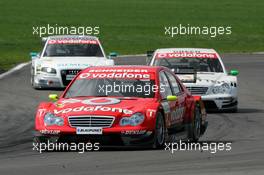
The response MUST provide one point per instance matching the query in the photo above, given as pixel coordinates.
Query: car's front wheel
(32, 79)
(194, 128)
(160, 131)
(233, 110)
(38, 141)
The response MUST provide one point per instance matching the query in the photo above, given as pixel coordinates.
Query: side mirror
(150, 53)
(34, 55)
(53, 97)
(171, 98)
(234, 72)
(149, 56)
(113, 55)
(44, 40)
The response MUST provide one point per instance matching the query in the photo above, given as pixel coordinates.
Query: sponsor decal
(73, 65)
(186, 78)
(116, 75)
(89, 130)
(119, 70)
(93, 101)
(45, 131)
(133, 132)
(92, 109)
(151, 112)
(70, 77)
(72, 41)
(101, 101)
(41, 112)
(186, 55)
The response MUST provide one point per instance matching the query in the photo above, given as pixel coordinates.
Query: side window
(165, 89)
(174, 84)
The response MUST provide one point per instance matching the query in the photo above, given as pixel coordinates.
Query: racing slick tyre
(234, 110)
(38, 140)
(194, 128)
(160, 132)
(44, 143)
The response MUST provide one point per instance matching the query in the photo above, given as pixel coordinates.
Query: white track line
(18, 67)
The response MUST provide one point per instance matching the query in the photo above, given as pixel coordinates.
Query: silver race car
(203, 72)
(63, 57)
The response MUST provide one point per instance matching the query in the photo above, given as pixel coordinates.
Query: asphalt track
(244, 129)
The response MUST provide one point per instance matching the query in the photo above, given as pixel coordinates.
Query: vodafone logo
(186, 55)
(72, 41)
(93, 105)
(92, 109)
(101, 101)
(116, 75)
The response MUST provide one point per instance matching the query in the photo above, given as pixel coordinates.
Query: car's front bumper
(220, 102)
(134, 137)
(46, 81)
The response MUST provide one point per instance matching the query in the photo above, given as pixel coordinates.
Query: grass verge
(131, 26)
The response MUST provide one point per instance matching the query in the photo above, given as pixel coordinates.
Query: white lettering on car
(92, 109)
(115, 75)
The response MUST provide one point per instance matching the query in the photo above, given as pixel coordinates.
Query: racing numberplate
(70, 77)
(89, 130)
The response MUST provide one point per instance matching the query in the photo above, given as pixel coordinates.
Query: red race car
(127, 105)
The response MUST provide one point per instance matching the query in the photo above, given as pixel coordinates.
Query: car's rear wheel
(160, 131)
(194, 128)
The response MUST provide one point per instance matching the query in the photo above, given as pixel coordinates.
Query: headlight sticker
(41, 112)
(151, 112)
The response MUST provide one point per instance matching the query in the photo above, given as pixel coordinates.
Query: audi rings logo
(101, 101)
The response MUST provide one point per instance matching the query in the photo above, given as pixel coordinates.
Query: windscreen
(73, 48)
(111, 87)
(188, 65)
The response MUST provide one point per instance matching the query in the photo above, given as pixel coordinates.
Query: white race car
(203, 73)
(63, 57)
